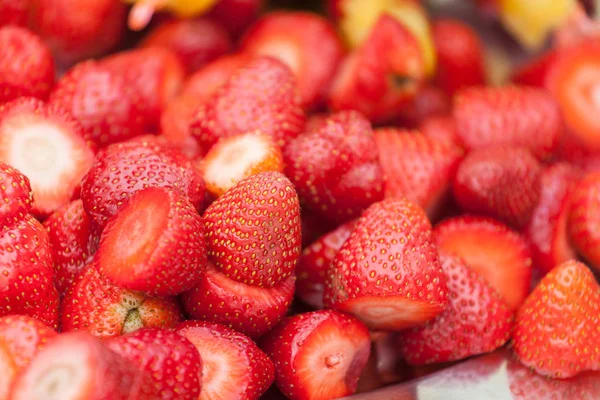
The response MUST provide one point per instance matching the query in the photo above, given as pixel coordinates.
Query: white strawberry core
(390, 312)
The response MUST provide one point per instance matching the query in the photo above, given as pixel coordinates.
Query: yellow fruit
(142, 11)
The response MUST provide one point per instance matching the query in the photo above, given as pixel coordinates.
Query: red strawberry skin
(13, 12)
(26, 65)
(15, 192)
(95, 305)
(336, 167)
(508, 116)
(24, 337)
(122, 169)
(171, 363)
(389, 262)
(501, 182)
(429, 101)
(250, 310)
(236, 15)
(261, 257)
(440, 127)
(477, 320)
(26, 283)
(260, 96)
(557, 327)
(583, 218)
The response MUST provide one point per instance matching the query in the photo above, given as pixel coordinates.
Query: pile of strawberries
(248, 205)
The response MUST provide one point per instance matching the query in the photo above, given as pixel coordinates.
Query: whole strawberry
(335, 168)
(15, 191)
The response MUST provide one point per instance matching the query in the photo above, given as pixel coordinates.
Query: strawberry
(261, 96)
(313, 226)
(94, 29)
(460, 55)
(235, 158)
(583, 218)
(429, 101)
(154, 73)
(253, 230)
(122, 169)
(196, 42)
(44, 143)
(9, 370)
(441, 128)
(15, 192)
(499, 254)
(388, 272)
(318, 355)
(502, 182)
(171, 363)
(155, 244)
(236, 15)
(298, 39)
(547, 230)
(14, 12)
(477, 320)
(512, 116)
(75, 366)
(26, 286)
(416, 167)
(24, 336)
(95, 305)
(314, 264)
(382, 74)
(557, 327)
(74, 240)
(101, 101)
(534, 72)
(26, 65)
(336, 168)
(250, 310)
(233, 367)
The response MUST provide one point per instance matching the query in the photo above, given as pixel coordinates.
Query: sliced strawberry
(74, 240)
(261, 96)
(195, 41)
(493, 250)
(318, 355)
(95, 305)
(233, 367)
(298, 39)
(502, 182)
(26, 65)
(314, 264)
(557, 327)
(583, 218)
(441, 128)
(24, 336)
(236, 15)
(477, 320)
(253, 230)
(14, 12)
(429, 101)
(155, 244)
(46, 145)
(250, 310)
(238, 157)
(388, 272)
(336, 168)
(416, 167)
(512, 116)
(76, 366)
(547, 230)
(171, 363)
(122, 169)
(15, 192)
(535, 72)
(9, 370)
(26, 282)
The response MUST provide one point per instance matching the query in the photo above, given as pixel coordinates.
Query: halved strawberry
(235, 158)
(502, 182)
(122, 169)
(24, 337)
(557, 328)
(95, 305)
(429, 101)
(250, 310)
(26, 65)
(261, 96)
(583, 218)
(416, 167)
(318, 355)
(155, 244)
(9, 370)
(75, 366)
(298, 39)
(46, 145)
(547, 230)
(493, 250)
(253, 230)
(233, 367)
(388, 272)
(477, 320)
(15, 192)
(441, 128)
(512, 116)
(315, 261)
(171, 363)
